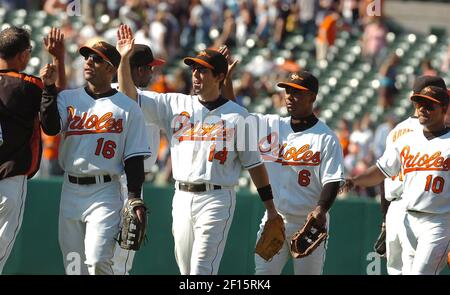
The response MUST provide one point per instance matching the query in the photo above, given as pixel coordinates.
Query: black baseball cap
(432, 93)
(143, 56)
(423, 81)
(210, 59)
(302, 80)
(105, 50)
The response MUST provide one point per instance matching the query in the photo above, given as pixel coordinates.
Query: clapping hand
(48, 74)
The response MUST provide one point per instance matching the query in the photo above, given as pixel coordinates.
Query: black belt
(88, 179)
(414, 211)
(196, 187)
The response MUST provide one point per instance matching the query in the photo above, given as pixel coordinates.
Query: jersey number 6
(304, 177)
(107, 149)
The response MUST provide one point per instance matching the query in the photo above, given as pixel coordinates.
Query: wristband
(265, 193)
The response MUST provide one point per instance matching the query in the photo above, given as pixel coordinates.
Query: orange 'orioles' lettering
(93, 124)
(271, 150)
(424, 162)
(184, 130)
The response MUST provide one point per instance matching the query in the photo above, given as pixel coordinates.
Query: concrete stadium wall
(354, 227)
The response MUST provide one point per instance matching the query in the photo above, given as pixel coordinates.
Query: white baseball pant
(425, 240)
(88, 225)
(309, 265)
(13, 192)
(395, 217)
(201, 222)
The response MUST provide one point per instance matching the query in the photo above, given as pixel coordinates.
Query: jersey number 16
(106, 148)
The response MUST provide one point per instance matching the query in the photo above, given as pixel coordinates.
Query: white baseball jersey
(99, 134)
(393, 187)
(425, 167)
(206, 146)
(299, 163)
(151, 128)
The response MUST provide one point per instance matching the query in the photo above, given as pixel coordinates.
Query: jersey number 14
(221, 156)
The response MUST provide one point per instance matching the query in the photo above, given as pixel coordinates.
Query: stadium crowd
(172, 28)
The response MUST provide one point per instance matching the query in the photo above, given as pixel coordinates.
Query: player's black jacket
(20, 104)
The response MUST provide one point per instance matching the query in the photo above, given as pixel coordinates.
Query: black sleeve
(384, 203)
(31, 103)
(50, 119)
(328, 195)
(134, 170)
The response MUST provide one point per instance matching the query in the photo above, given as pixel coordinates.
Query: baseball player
(142, 63)
(206, 157)
(304, 161)
(396, 210)
(103, 134)
(21, 148)
(394, 207)
(423, 157)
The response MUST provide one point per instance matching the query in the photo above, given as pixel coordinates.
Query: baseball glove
(307, 239)
(380, 243)
(272, 238)
(133, 232)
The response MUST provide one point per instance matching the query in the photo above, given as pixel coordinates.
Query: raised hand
(54, 43)
(231, 63)
(125, 41)
(48, 74)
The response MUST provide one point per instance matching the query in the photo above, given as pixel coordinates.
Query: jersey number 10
(436, 184)
(107, 149)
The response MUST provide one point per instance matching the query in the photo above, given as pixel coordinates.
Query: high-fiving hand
(54, 43)
(125, 41)
(231, 63)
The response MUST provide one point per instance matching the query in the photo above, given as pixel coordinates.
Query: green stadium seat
(349, 85)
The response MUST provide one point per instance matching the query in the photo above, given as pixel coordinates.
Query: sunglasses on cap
(97, 59)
